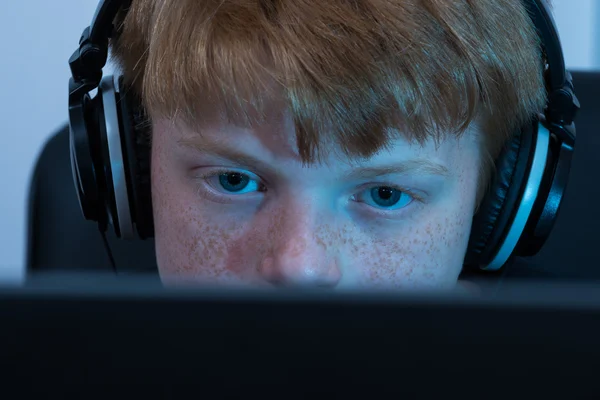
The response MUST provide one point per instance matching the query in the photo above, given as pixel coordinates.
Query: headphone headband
(88, 60)
(546, 27)
(102, 23)
(562, 104)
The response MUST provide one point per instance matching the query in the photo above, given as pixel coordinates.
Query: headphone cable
(108, 252)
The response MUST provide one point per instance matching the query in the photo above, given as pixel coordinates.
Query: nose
(300, 257)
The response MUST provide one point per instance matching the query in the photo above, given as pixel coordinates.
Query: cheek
(185, 238)
(429, 252)
(196, 241)
(181, 237)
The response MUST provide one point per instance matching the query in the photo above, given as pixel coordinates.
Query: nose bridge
(299, 254)
(298, 241)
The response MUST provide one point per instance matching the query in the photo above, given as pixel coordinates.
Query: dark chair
(60, 239)
(570, 252)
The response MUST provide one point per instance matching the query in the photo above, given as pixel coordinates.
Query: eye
(232, 182)
(386, 197)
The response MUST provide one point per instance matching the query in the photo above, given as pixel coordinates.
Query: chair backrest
(60, 239)
(571, 250)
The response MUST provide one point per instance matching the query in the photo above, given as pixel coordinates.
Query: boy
(333, 143)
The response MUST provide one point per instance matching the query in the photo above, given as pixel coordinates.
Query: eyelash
(225, 199)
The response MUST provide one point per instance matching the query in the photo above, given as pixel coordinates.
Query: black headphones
(110, 151)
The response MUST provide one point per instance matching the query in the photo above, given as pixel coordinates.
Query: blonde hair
(349, 70)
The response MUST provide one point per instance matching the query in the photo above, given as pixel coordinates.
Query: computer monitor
(93, 337)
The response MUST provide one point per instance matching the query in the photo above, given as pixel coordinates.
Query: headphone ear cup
(137, 144)
(85, 131)
(498, 208)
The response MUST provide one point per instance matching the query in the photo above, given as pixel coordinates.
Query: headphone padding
(137, 148)
(499, 206)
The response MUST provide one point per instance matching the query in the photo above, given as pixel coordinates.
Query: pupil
(385, 193)
(234, 179)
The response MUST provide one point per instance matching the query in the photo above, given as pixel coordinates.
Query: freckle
(320, 242)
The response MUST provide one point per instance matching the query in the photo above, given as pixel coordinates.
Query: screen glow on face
(234, 205)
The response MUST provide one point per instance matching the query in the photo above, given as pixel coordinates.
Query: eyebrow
(418, 166)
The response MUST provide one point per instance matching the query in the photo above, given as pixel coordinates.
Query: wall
(38, 36)
(577, 22)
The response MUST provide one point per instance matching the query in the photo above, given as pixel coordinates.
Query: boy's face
(235, 206)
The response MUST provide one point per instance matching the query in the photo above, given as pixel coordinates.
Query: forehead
(273, 135)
